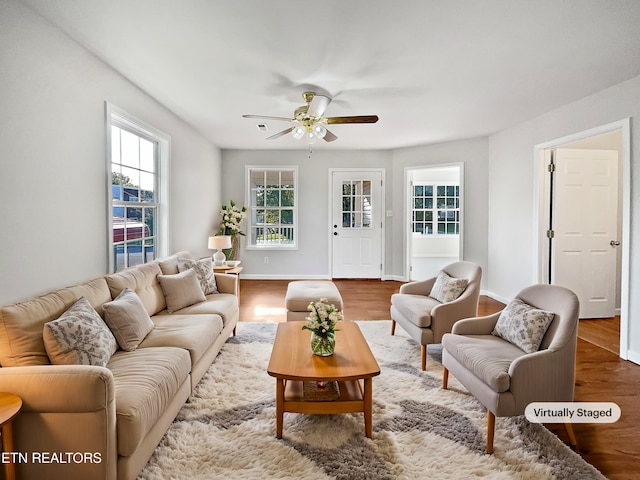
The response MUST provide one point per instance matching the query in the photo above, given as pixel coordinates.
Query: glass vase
(323, 346)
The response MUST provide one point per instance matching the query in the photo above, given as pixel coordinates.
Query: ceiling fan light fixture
(319, 131)
(310, 138)
(298, 132)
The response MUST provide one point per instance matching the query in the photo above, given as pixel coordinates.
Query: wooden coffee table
(352, 365)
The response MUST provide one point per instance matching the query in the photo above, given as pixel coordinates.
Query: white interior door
(356, 227)
(585, 225)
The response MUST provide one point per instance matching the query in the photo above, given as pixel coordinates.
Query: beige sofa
(92, 422)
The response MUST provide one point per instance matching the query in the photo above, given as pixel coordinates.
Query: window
(272, 207)
(436, 209)
(136, 192)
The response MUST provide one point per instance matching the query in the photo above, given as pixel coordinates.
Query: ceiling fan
(309, 120)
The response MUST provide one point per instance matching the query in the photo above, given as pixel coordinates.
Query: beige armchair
(425, 318)
(501, 375)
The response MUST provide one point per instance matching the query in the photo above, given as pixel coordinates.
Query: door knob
(335, 226)
(335, 233)
(614, 243)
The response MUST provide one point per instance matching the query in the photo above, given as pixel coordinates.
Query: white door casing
(356, 223)
(585, 226)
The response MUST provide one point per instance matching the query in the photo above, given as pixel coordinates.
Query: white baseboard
(268, 276)
(633, 357)
(397, 278)
(495, 296)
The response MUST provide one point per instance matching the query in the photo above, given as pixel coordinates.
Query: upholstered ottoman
(300, 293)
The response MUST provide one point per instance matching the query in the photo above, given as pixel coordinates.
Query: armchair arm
(543, 376)
(422, 287)
(476, 325)
(227, 283)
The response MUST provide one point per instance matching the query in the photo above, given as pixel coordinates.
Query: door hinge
(551, 167)
(550, 234)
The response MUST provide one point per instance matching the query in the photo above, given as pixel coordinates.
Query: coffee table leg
(368, 407)
(279, 406)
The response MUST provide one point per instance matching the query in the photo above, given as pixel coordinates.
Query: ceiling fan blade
(330, 137)
(318, 105)
(353, 119)
(264, 117)
(280, 134)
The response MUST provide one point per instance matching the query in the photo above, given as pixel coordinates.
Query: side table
(10, 405)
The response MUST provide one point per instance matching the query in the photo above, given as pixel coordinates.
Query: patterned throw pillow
(446, 288)
(523, 325)
(127, 319)
(204, 272)
(79, 337)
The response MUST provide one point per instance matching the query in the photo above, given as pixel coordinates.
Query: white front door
(585, 225)
(356, 227)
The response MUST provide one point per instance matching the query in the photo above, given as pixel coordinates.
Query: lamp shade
(219, 242)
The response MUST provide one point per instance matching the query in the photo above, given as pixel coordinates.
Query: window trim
(115, 116)
(250, 206)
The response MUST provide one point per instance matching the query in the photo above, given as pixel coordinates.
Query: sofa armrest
(60, 388)
(64, 409)
(227, 283)
(422, 287)
(476, 325)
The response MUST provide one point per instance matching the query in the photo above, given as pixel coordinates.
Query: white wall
(512, 196)
(311, 259)
(473, 154)
(52, 159)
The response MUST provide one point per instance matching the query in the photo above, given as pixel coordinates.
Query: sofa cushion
(415, 308)
(223, 304)
(142, 279)
(181, 290)
(523, 325)
(146, 381)
(127, 319)
(487, 356)
(79, 337)
(169, 265)
(194, 333)
(21, 341)
(446, 288)
(204, 272)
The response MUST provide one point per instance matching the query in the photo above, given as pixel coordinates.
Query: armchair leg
(393, 327)
(491, 427)
(423, 352)
(572, 436)
(445, 377)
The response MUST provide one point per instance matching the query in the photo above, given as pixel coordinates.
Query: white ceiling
(431, 70)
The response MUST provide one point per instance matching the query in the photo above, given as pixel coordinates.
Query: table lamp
(219, 242)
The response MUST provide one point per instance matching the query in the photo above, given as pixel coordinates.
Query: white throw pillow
(204, 272)
(181, 290)
(79, 337)
(446, 288)
(523, 325)
(128, 320)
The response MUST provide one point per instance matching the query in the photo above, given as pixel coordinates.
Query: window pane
(286, 198)
(418, 203)
(418, 190)
(130, 148)
(428, 190)
(147, 155)
(441, 190)
(273, 198)
(287, 217)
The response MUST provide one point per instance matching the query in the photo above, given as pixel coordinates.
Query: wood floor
(601, 376)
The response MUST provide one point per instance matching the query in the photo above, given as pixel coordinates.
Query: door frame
(407, 217)
(382, 172)
(541, 214)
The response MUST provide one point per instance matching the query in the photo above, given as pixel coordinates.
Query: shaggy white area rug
(227, 430)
